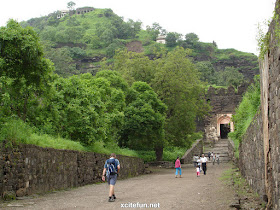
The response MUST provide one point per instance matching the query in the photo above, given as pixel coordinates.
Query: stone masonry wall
(30, 169)
(222, 101)
(251, 156)
(260, 149)
(196, 149)
(273, 166)
(231, 149)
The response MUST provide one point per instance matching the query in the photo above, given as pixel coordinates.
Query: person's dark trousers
(204, 168)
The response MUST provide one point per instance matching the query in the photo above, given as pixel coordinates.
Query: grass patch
(245, 194)
(15, 131)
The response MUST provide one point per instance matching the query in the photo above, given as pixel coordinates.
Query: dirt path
(188, 192)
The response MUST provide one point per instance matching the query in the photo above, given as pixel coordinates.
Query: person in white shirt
(203, 160)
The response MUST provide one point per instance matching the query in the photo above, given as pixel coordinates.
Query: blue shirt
(117, 163)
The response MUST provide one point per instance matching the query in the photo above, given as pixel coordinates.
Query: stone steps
(221, 148)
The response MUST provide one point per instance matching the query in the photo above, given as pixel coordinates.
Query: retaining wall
(260, 148)
(231, 149)
(196, 149)
(29, 169)
(251, 156)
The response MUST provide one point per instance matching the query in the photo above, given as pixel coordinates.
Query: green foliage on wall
(246, 111)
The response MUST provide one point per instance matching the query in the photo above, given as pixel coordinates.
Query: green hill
(77, 43)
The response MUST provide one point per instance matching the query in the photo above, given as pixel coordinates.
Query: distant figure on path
(178, 167)
(212, 155)
(214, 159)
(199, 163)
(203, 160)
(209, 155)
(195, 158)
(218, 159)
(111, 168)
(197, 171)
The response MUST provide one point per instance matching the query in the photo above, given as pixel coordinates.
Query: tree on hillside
(207, 72)
(176, 81)
(144, 120)
(23, 64)
(71, 5)
(80, 110)
(191, 38)
(177, 84)
(171, 39)
(230, 77)
(155, 30)
(133, 66)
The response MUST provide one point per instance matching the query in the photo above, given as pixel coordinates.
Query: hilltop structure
(78, 11)
(161, 39)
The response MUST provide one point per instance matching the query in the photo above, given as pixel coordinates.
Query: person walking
(203, 160)
(111, 169)
(199, 163)
(178, 167)
(214, 159)
(197, 171)
(218, 158)
(209, 155)
(195, 158)
(212, 155)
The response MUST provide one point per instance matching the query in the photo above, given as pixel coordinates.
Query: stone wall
(29, 169)
(223, 102)
(260, 149)
(196, 149)
(271, 69)
(251, 156)
(231, 150)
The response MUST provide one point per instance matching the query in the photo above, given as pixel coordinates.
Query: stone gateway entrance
(225, 129)
(224, 125)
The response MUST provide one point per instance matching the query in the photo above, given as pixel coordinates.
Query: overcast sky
(230, 23)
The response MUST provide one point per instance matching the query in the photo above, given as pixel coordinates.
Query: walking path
(159, 188)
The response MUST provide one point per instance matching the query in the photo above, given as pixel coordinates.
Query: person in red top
(178, 167)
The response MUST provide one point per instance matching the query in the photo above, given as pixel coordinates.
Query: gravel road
(159, 190)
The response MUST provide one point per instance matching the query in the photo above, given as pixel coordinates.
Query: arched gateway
(224, 125)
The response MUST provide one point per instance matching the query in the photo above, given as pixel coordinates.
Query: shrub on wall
(246, 111)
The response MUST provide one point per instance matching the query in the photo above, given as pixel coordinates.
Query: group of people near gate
(200, 162)
(214, 157)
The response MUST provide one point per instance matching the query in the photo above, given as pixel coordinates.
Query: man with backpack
(111, 168)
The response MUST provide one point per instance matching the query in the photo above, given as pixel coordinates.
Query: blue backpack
(111, 167)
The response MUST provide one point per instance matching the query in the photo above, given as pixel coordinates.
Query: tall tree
(177, 83)
(71, 5)
(133, 66)
(22, 61)
(171, 40)
(144, 120)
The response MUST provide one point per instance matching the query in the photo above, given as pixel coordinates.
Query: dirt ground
(160, 189)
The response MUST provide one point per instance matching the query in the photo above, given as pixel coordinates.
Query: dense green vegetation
(98, 34)
(176, 81)
(245, 112)
(91, 113)
(139, 104)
